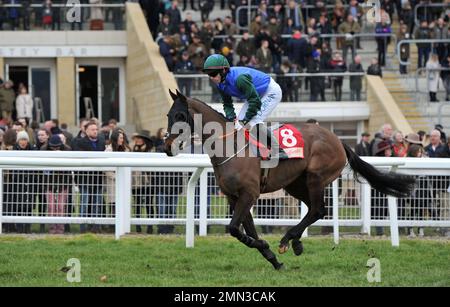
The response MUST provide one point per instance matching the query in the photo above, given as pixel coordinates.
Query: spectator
(91, 182)
(206, 6)
(57, 185)
(296, 48)
(349, 28)
(7, 99)
(185, 67)
(188, 22)
(445, 76)
(423, 32)
(141, 183)
(404, 48)
(421, 196)
(9, 208)
(197, 52)
(56, 15)
(378, 200)
(264, 57)
(166, 27)
(441, 32)
(192, 5)
(246, 46)
(174, 13)
(167, 51)
(256, 25)
(81, 134)
(23, 185)
(433, 73)
(399, 149)
(363, 147)
(229, 26)
(374, 69)
(285, 82)
(337, 65)
(356, 81)
(382, 28)
(24, 122)
(441, 130)
(337, 19)
(385, 135)
(317, 83)
(435, 149)
(13, 14)
(207, 33)
(294, 12)
(278, 12)
(24, 104)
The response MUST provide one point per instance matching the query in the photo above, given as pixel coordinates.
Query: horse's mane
(212, 109)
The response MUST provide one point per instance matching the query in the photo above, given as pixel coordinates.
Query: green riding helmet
(215, 62)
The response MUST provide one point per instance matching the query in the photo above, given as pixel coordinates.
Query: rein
(223, 137)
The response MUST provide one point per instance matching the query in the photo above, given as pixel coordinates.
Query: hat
(365, 133)
(22, 135)
(55, 141)
(382, 146)
(413, 138)
(145, 134)
(438, 127)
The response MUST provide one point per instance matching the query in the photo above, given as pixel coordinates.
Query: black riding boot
(265, 136)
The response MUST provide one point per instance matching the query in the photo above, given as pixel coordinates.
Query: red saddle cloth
(289, 138)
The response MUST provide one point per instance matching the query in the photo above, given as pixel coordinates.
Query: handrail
(322, 74)
(412, 41)
(426, 5)
(70, 5)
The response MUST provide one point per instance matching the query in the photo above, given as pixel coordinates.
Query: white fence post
(303, 212)
(1, 199)
(190, 207)
(365, 207)
(123, 201)
(203, 223)
(336, 211)
(392, 201)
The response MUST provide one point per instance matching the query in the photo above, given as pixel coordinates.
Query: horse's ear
(173, 95)
(181, 96)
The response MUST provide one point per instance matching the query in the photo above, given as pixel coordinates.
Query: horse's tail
(389, 183)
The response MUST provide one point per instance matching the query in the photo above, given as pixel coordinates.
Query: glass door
(109, 93)
(40, 90)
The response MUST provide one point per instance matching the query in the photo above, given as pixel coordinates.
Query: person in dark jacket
(142, 187)
(337, 65)
(296, 49)
(90, 183)
(356, 81)
(375, 69)
(185, 67)
(317, 83)
(363, 147)
(57, 185)
(445, 76)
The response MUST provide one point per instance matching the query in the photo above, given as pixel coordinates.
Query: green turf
(218, 261)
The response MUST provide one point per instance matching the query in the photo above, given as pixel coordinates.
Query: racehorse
(239, 178)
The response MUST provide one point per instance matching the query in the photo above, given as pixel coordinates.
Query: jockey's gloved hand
(239, 124)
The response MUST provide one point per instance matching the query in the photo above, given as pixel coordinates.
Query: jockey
(260, 91)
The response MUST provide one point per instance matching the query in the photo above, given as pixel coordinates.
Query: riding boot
(266, 137)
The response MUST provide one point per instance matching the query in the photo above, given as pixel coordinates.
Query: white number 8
(288, 138)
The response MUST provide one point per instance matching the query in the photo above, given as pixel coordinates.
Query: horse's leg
(312, 193)
(261, 245)
(241, 210)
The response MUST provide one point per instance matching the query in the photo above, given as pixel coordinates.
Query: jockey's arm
(228, 106)
(245, 85)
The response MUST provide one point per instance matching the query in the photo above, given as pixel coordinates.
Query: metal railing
(415, 41)
(151, 189)
(113, 14)
(296, 87)
(426, 6)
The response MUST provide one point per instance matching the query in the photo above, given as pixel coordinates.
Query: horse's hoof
(280, 267)
(297, 247)
(283, 249)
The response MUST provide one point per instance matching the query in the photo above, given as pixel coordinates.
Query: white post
(393, 221)
(203, 204)
(303, 212)
(336, 211)
(123, 201)
(365, 207)
(1, 199)
(190, 207)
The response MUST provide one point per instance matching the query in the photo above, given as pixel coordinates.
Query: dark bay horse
(239, 178)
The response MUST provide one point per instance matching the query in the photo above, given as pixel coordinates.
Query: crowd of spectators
(291, 37)
(430, 196)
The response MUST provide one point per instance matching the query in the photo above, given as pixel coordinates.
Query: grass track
(217, 261)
